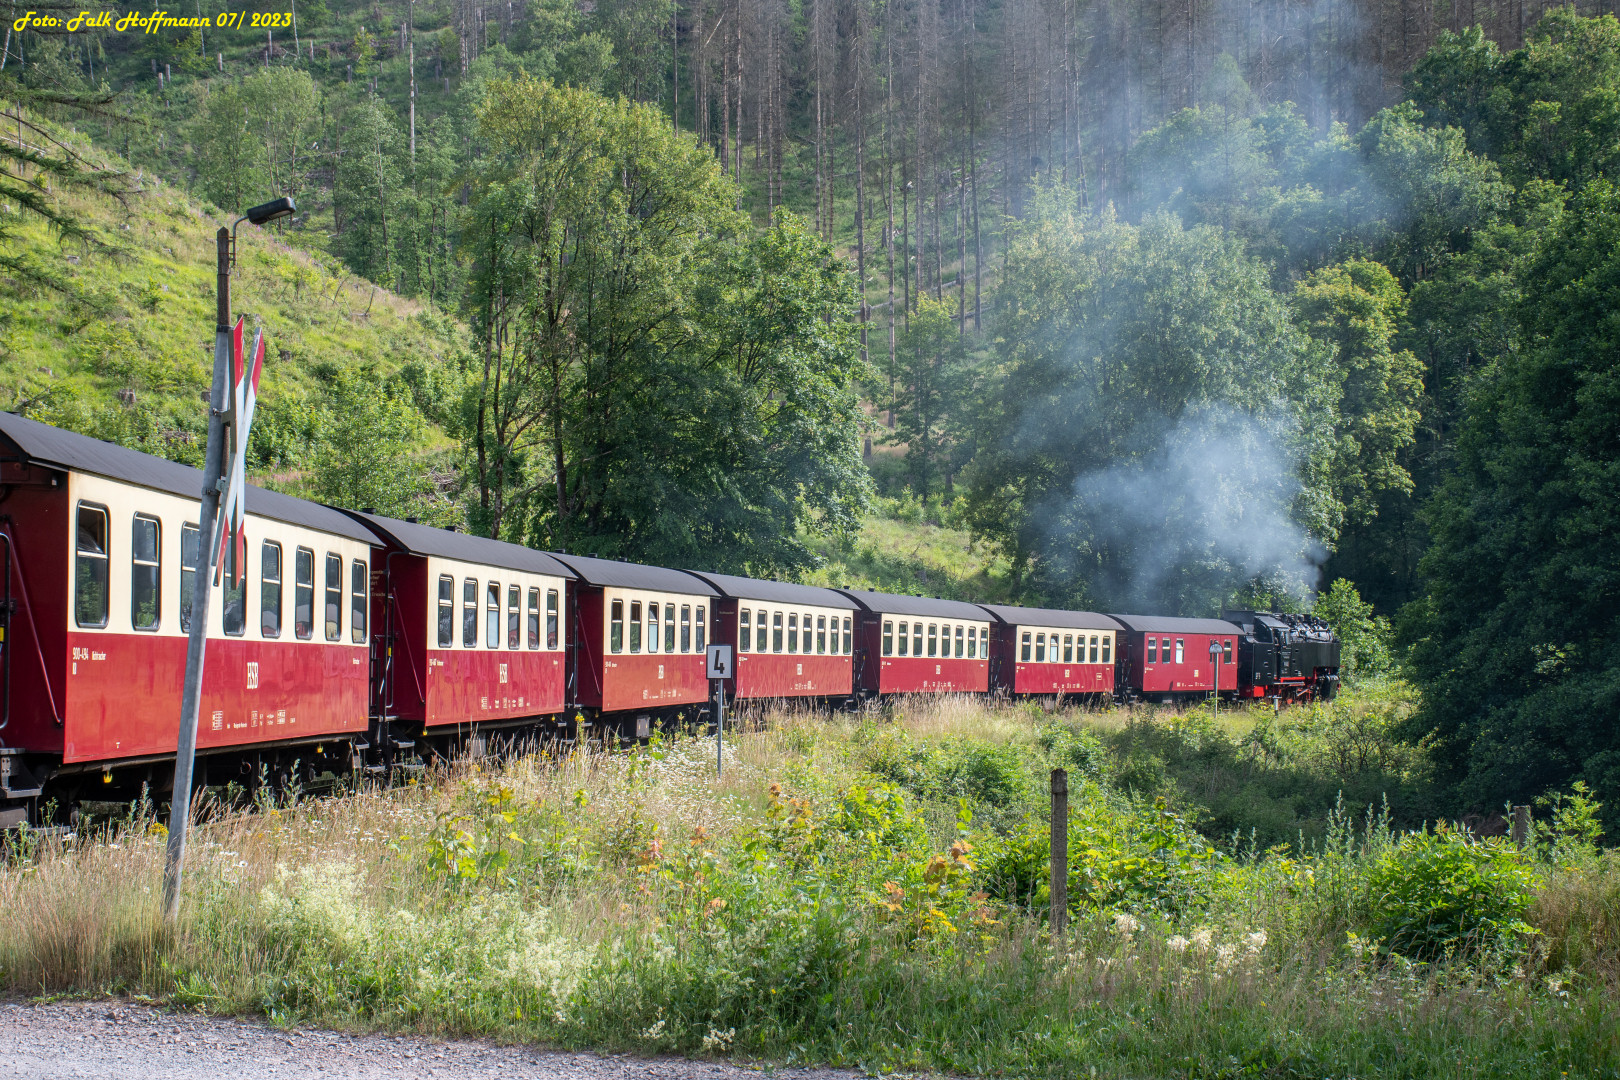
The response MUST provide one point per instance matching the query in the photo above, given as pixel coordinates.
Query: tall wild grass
(868, 891)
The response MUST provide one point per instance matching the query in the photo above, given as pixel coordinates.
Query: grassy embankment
(125, 351)
(869, 891)
(904, 547)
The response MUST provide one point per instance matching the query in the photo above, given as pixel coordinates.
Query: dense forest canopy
(1177, 305)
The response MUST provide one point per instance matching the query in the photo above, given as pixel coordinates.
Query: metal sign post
(228, 401)
(719, 670)
(201, 587)
(1215, 680)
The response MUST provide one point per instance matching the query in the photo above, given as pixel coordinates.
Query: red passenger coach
(1046, 651)
(103, 548)
(920, 645)
(639, 635)
(1162, 658)
(471, 630)
(791, 641)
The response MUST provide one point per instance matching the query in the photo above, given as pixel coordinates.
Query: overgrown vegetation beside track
(871, 891)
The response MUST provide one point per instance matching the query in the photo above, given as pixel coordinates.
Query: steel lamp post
(214, 482)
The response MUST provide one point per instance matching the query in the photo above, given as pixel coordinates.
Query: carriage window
(469, 613)
(960, 633)
(514, 615)
(635, 626)
(746, 638)
(793, 633)
(1180, 650)
(304, 593)
(447, 609)
(702, 628)
(849, 639)
(1108, 648)
(551, 618)
(1153, 650)
(492, 614)
(334, 597)
(905, 639)
(776, 631)
(973, 642)
(1226, 651)
(1040, 648)
(534, 619)
(821, 634)
(933, 638)
(358, 582)
(616, 628)
(234, 615)
(146, 573)
(270, 590)
(190, 552)
(686, 628)
(1093, 651)
(652, 627)
(1024, 647)
(669, 627)
(90, 568)
(916, 639)
(888, 637)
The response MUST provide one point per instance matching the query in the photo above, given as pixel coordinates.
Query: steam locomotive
(356, 644)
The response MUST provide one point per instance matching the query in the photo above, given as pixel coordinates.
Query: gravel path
(113, 1040)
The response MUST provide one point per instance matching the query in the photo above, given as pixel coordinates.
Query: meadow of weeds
(871, 891)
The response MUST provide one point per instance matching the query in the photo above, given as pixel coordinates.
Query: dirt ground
(115, 1040)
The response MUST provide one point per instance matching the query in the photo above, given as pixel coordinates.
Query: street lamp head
(270, 211)
(1214, 648)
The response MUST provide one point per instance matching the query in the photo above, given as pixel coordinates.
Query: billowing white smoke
(1206, 509)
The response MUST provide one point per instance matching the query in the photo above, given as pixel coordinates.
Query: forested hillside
(1171, 306)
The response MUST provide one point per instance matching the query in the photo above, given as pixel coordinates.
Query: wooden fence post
(1521, 826)
(1060, 850)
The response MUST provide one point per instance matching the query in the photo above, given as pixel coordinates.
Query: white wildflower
(718, 1040)
(1177, 944)
(1203, 938)
(654, 1032)
(1256, 941)
(1125, 926)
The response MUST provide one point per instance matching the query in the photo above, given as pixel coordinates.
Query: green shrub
(1443, 893)
(1366, 637)
(987, 773)
(1075, 749)
(1122, 858)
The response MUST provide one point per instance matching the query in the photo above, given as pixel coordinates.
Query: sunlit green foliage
(657, 379)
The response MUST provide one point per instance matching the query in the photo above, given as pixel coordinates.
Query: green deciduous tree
(251, 137)
(1355, 308)
(362, 452)
(368, 190)
(653, 379)
(1516, 639)
(1365, 637)
(1547, 111)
